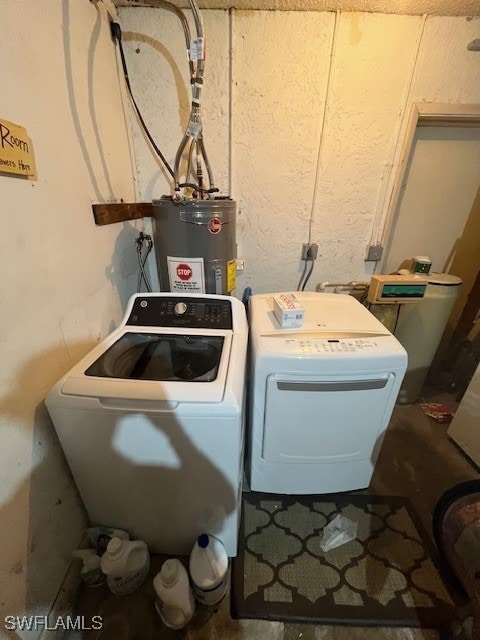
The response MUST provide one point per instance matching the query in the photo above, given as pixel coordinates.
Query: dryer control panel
(334, 345)
(178, 311)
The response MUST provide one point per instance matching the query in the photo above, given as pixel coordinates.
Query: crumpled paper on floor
(439, 412)
(337, 532)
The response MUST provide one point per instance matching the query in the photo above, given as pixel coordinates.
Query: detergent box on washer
(288, 310)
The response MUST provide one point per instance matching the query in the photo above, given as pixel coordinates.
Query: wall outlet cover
(309, 251)
(374, 253)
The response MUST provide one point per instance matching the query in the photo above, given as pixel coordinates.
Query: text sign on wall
(186, 274)
(16, 150)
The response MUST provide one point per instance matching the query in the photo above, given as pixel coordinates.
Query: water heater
(195, 245)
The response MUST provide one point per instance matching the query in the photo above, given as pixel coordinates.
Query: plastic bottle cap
(203, 541)
(169, 572)
(114, 546)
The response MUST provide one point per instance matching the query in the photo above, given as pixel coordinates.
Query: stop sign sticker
(184, 272)
(214, 225)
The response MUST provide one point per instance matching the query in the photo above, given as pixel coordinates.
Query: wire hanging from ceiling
(117, 35)
(191, 159)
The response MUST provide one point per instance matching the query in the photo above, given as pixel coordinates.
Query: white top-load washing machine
(152, 421)
(321, 395)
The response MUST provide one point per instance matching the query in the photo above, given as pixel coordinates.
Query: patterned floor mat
(386, 576)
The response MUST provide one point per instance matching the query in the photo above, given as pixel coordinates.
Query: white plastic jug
(209, 569)
(100, 536)
(91, 573)
(175, 603)
(126, 564)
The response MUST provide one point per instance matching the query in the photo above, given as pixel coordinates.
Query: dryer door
(325, 419)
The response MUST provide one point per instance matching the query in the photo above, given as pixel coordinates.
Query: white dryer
(152, 421)
(321, 395)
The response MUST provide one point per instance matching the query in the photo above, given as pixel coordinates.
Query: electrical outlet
(374, 253)
(309, 251)
(239, 264)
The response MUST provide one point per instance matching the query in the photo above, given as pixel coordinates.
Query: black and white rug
(385, 577)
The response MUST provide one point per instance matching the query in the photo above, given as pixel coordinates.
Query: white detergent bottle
(91, 573)
(126, 564)
(209, 569)
(100, 536)
(174, 602)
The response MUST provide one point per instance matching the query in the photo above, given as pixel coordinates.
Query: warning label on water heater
(186, 275)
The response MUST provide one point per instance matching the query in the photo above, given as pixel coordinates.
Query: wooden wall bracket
(109, 213)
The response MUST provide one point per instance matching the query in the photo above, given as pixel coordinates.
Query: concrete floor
(417, 460)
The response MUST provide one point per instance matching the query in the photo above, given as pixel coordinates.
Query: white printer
(321, 395)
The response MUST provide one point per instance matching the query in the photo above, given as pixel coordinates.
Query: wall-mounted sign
(16, 150)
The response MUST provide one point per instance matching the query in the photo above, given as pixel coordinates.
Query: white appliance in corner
(152, 421)
(465, 426)
(321, 395)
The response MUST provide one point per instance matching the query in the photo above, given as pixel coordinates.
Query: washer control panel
(175, 311)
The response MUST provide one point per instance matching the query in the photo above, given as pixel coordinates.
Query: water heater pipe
(192, 140)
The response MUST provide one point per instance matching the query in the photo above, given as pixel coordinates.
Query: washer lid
(144, 365)
(161, 357)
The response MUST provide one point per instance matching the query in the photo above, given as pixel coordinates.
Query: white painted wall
(318, 108)
(277, 118)
(370, 73)
(64, 281)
